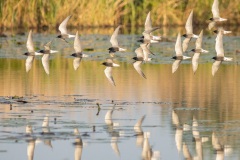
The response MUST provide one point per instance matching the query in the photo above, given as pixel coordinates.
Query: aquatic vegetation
(95, 13)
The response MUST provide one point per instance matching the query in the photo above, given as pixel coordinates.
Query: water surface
(186, 115)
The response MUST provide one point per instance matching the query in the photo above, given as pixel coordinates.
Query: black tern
(138, 61)
(220, 54)
(149, 28)
(197, 51)
(46, 54)
(78, 52)
(63, 29)
(179, 54)
(189, 32)
(220, 29)
(108, 71)
(31, 52)
(146, 51)
(216, 15)
(115, 47)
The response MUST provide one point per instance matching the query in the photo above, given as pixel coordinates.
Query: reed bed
(102, 13)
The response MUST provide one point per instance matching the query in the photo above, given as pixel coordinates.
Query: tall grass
(95, 13)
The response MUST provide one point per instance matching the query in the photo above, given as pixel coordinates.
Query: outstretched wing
(45, 62)
(63, 26)
(199, 40)
(188, 26)
(113, 39)
(215, 9)
(219, 45)
(29, 62)
(76, 63)
(178, 46)
(77, 44)
(108, 73)
(195, 62)
(185, 44)
(175, 65)
(137, 67)
(215, 67)
(30, 46)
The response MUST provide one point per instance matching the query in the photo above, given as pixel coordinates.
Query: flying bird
(216, 15)
(78, 52)
(189, 32)
(220, 54)
(197, 51)
(148, 28)
(115, 46)
(146, 51)
(46, 54)
(63, 29)
(108, 71)
(220, 29)
(31, 52)
(179, 54)
(138, 61)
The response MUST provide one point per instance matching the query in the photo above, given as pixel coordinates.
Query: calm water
(186, 115)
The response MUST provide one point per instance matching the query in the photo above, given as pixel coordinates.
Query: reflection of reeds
(37, 13)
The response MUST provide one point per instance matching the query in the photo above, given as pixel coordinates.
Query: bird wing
(195, 62)
(146, 51)
(45, 62)
(47, 45)
(215, 67)
(148, 22)
(199, 40)
(77, 44)
(63, 26)
(29, 62)
(113, 39)
(30, 46)
(188, 26)
(109, 60)
(139, 52)
(215, 9)
(178, 46)
(175, 65)
(185, 44)
(219, 45)
(211, 25)
(76, 62)
(108, 73)
(151, 30)
(146, 36)
(137, 67)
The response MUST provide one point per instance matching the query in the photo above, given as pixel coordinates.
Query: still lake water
(186, 116)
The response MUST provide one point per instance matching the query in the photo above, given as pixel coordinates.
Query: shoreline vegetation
(107, 13)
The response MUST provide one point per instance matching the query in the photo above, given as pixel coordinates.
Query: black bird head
(41, 51)
(59, 36)
(214, 58)
(211, 19)
(135, 58)
(104, 63)
(215, 31)
(175, 57)
(26, 54)
(193, 50)
(74, 54)
(184, 35)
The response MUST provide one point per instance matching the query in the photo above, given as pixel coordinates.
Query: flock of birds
(143, 51)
